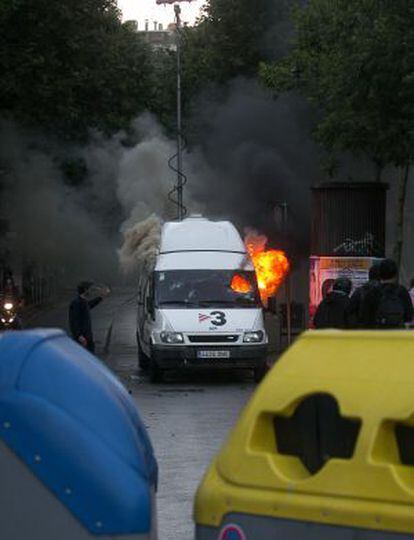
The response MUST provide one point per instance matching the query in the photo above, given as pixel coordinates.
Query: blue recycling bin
(75, 458)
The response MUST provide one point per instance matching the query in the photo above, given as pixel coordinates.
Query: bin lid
(73, 424)
(328, 437)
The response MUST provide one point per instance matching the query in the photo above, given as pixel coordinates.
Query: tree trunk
(402, 195)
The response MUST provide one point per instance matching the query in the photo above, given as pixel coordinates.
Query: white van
(189, 311)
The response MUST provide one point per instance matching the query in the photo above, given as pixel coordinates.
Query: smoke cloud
(49, 222)
(144, 179)
(249, 154)
(144, 185)
(141, 245)
(259, 155)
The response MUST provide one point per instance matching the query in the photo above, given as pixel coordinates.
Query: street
(187, 417)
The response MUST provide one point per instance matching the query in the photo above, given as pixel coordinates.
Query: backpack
(367, 294)
(390, 308)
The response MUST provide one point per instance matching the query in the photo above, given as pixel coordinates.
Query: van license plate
(213, 354)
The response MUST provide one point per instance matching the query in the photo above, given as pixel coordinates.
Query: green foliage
(230, 40)
(231, 35)
(163, 101)
(71, 65)
(354, 59)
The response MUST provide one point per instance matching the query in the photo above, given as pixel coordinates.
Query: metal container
(348, 219)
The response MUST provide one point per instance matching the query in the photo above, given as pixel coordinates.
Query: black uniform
(333, 311)
(80, 320)
(360, 309)
(388, 300)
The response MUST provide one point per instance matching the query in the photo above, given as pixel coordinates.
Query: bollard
(75, 459)
(325, 448)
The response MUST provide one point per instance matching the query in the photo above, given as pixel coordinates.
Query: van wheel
(143, 360)
(260, 371)
(156, 374)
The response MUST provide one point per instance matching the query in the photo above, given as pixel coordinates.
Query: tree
(234, 36)
(230, 40)
(354, 60)
(231, 33)
(71, 65)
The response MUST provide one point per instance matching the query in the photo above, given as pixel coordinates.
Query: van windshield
(202, 288)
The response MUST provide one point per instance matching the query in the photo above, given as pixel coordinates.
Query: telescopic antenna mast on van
(176, 195)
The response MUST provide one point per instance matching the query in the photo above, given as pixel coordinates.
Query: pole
(288, 290)
(180, 216)
(289, 309)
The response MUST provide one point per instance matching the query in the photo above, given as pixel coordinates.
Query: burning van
(201, 306)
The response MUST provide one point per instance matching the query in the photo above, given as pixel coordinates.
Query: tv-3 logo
(217, 318)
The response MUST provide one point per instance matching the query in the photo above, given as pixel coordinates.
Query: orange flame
(271, 265)
(240, 284)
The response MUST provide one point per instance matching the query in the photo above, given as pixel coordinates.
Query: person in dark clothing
(359, 316)
(388, 305)
(333, 311)
(79, 315)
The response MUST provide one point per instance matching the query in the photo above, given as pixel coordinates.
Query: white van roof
(196, 233)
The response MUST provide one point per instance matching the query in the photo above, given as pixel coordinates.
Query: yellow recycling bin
(325, 448)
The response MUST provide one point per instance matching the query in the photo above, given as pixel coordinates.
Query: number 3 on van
(218, 318)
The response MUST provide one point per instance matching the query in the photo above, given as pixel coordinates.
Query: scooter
(9, 317)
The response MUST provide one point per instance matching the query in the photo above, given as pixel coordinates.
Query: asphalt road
(188, 416)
